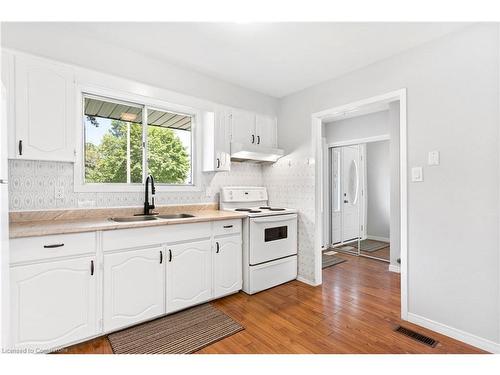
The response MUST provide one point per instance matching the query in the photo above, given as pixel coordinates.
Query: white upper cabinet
(217, 141)
(266, 130)
(254, 129)
(189, 274)
(53, 303)
(243, 127)
(134, 287)
(227, 265)
(44, 110)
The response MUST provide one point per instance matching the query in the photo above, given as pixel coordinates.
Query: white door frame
(317, 119)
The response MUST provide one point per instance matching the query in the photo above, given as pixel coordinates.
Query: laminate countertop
(30, 228)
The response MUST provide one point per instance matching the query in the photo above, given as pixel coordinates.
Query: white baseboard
(306, 281)
(377, 238)
(457, 334)
(394, 268)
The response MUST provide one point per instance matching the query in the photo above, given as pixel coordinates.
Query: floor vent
(417, 336)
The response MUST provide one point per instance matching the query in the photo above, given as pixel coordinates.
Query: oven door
(272, 237)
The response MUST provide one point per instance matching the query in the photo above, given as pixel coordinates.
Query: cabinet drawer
(142, 237)
(227, 227)
(46, 247)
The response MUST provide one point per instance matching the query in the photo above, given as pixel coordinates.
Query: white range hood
(255, 153)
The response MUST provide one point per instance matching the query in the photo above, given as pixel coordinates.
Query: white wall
(378, 188)
(358, 127)
(42, 39)
(32, 181)
(453, 106)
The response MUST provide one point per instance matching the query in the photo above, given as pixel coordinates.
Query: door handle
(217, 246)
(169, 255)
(161, 257)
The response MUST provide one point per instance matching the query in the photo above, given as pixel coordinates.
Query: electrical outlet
(58, 192)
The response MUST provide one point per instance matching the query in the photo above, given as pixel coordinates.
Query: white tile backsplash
(32, 187)
(290, 183)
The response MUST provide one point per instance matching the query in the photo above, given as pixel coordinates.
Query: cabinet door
(223, 140)
(134, 287)
(243, 127)
(266, 131)
(189, 274)
(53, 303)
(44, 101)
(227, 265)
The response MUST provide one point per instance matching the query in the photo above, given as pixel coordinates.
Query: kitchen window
(124, 141)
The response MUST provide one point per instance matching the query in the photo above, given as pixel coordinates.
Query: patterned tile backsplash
(32, 186)
(290, 183)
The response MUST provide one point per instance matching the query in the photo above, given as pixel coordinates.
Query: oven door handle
(274, 219)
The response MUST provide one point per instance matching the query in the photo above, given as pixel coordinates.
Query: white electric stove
(269, 238)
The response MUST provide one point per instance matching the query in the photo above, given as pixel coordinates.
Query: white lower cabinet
(227, 265)
(53, 303)
(134, 287)
(61, 295)
(189, 274)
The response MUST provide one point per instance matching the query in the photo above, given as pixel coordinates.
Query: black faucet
(148, 207)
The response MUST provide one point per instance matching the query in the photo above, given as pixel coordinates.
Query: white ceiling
(276, 59)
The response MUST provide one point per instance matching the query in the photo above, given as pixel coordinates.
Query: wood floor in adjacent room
(354, 311)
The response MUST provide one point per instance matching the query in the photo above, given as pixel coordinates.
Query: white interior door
(350, 181)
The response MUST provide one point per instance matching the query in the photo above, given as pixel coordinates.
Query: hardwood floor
(384, 253)
(354, 311)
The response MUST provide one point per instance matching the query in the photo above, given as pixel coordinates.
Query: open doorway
(360, 151)
(358, 192)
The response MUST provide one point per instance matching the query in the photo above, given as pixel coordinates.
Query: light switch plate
(433, 158)
(417, 174)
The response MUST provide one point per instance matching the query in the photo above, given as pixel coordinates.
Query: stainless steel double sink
(129, 219)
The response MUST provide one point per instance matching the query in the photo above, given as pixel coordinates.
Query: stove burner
(271, 208)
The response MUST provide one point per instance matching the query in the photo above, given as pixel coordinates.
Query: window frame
(147, 103)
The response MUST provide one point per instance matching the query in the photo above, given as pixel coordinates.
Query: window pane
(113, 142)
(169, 147)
